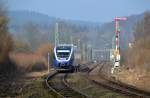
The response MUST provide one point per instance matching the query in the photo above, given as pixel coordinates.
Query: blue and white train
(64, 57)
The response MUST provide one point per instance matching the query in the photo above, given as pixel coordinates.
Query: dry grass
(28, 62)
(44, 49)
(32, 61)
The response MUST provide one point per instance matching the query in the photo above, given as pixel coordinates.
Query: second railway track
(119, 87)
(57, 84)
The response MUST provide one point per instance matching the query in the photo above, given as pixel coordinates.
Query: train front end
(64, 58)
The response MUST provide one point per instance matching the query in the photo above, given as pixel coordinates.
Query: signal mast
(116, 53)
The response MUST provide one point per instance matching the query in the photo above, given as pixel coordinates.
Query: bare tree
(142, 29)
(32, 33)
(5, 39)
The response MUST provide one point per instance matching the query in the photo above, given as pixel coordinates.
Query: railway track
(57, 83)
(119, 87)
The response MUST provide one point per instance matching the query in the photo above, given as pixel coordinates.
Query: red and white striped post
(117, 31)
(117, 50)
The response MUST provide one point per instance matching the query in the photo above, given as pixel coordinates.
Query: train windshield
(63, 51)
(63, 54)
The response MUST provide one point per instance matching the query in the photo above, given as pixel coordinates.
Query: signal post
(116, 54)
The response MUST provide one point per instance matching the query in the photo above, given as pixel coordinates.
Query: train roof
(65, 44)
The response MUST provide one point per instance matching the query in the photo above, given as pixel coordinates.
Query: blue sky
(87, 10)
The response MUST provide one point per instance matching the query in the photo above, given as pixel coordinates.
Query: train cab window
(63, 54)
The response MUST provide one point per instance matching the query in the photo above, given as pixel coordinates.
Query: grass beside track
(26, 88)
(79, 81)
(35, 88)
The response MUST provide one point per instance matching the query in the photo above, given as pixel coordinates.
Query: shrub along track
(116, 86)
(57, 83)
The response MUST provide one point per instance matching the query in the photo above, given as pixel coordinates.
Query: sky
(86, 10)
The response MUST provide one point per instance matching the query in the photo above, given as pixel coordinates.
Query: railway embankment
(129, 79)
(134, 78)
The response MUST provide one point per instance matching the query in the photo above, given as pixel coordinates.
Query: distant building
(130, 45)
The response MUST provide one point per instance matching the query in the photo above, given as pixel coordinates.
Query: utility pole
(48, 61)
(117, 47)
(56, 35)
(71, 39)
(89, 52)
(83, 52)
(79, 45)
